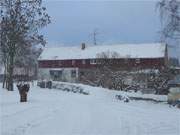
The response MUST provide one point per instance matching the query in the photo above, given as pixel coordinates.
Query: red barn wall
(144, 63)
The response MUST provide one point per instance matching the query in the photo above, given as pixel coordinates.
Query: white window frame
(73, 62)
(83, 62)
(60, 63)
(93, 61)
(138, 60)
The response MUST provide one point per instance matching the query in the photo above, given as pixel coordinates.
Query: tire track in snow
(21, 128)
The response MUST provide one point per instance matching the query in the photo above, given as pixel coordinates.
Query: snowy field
(55, 112)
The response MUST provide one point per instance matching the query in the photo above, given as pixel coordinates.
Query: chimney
(83, 46)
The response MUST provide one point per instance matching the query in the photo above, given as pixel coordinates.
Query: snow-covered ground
(55, 112)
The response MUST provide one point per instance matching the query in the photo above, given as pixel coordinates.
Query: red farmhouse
(65, 63)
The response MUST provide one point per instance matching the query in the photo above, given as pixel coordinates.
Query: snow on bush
(139, 96)
(69, 88)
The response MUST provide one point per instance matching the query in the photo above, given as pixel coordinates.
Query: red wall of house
(144, 63)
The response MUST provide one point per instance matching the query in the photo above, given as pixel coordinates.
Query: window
(73, 73)
(138, 60)
(83, 62)
(82, 73)
(126, 60)
(73, 62)
(59, 63)
(93, 61)
(56, 74)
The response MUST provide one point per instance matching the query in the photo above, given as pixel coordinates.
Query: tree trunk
(4, 78)
(10, 80)
(10, 73)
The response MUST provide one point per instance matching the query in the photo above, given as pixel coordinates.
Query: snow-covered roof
(153, 50)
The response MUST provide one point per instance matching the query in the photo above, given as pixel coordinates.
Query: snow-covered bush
(62, 86)
(147, 81)
(69, 88)
(123, 98)
(110, 74)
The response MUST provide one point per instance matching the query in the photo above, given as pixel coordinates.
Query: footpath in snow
(57, 112)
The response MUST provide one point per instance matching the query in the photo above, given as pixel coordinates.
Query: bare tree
(114, 72)
(20, 21)
(170, 21)
(170, 18)
(108, 73)
(27, 60)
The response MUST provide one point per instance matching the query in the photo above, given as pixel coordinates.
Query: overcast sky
(117, 21)
(73, 22)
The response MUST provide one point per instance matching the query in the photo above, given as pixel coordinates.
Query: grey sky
(117, 21)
